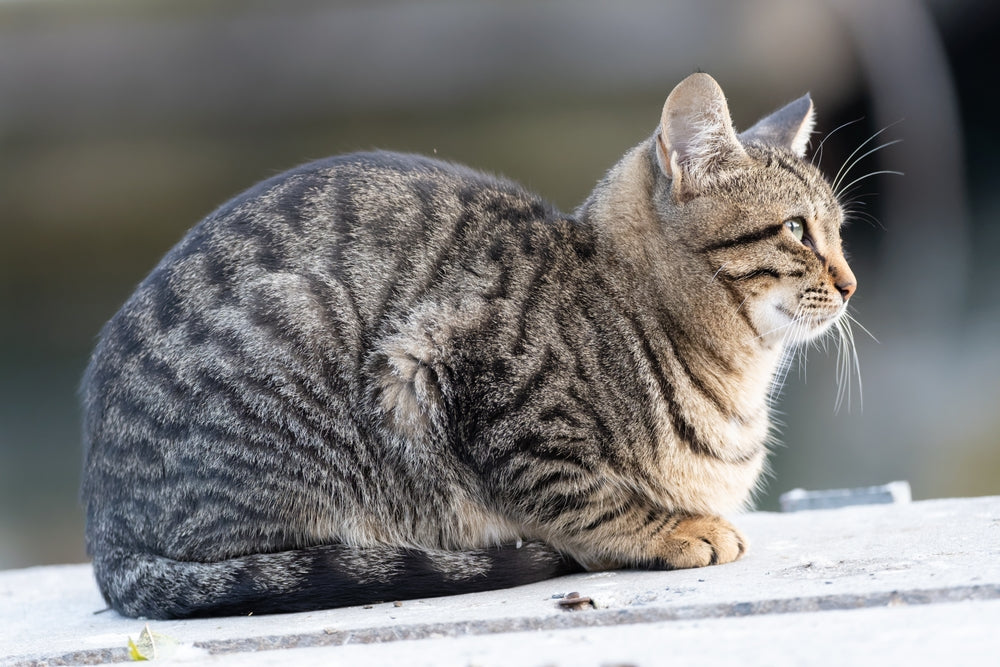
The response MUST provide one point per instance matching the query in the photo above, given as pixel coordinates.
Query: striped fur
(381, 376)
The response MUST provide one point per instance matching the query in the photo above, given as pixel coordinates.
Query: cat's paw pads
(702, 540)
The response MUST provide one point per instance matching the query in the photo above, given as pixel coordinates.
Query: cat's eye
(796, 227)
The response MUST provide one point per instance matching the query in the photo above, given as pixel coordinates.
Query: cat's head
(765, 222)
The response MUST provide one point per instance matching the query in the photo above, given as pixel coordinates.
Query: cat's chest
(710, 453)
(705, 483)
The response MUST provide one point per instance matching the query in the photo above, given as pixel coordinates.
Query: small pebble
(575, 602)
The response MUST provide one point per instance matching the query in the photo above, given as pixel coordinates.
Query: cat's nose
(843, 278)
(846, 289)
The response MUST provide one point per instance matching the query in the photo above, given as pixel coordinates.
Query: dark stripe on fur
(793, 169)
(739, 303)
(682, 343)
(745, 239)
(685, 430)
(662, 523)
(755, 273)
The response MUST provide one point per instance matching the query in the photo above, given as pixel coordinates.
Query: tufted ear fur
(696, 138)
(788, 127)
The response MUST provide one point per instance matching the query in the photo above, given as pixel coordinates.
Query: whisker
(857, 365)
(869, 175)
(862, 157)
(844, 169)
(842, 364)
(848, 360)
(716, 274)
(802, 360)
(789, 353)
(840, 172)
(818, 153)
(736, 313)
(855, 200)
(855, 322)
(852, 214)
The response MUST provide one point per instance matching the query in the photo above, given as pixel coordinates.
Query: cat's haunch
(382, 376)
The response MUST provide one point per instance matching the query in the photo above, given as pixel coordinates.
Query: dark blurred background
(123, 122)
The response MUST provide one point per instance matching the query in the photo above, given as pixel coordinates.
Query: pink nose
(846, 289)
(843, 278)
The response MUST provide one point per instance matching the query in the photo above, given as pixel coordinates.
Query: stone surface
(917, 582)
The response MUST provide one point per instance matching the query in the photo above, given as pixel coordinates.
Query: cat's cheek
(774, 318)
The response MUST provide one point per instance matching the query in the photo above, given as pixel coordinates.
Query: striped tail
(320, 577)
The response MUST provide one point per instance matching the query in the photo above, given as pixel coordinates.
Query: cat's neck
(620, 207)
(675, 294)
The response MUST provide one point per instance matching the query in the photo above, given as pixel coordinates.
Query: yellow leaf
(133, 651)
(151, 645)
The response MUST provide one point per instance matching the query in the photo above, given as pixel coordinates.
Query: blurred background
(123, 122)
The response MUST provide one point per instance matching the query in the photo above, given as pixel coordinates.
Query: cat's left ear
(788, 127)
(696, 140)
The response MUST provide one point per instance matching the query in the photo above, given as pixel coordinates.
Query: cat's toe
(700, 541)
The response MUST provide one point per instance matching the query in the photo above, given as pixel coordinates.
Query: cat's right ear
(788, 127)
(696, 138)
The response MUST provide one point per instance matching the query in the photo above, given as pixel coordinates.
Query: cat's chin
(786, 327)
(814, 328)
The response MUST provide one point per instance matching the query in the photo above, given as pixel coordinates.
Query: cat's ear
(788, 127)
(696, 138)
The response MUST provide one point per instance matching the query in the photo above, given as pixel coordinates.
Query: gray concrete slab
(940, 634)
(818, 587)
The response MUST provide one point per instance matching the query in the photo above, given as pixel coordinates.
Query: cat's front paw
(698, 541)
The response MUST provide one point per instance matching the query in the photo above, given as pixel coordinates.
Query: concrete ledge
(865, 584)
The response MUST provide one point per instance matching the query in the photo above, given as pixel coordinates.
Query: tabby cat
(381, 376)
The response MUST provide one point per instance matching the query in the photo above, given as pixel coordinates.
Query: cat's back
(380, 203)
(384, 226)
(350, 237)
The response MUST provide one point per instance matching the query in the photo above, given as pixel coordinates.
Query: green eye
(796, 227)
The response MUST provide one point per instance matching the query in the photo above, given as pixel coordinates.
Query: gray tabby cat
(381, 376)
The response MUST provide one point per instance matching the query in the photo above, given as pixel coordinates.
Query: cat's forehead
(780, 176)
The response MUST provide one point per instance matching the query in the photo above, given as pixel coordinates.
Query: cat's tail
(337, 575)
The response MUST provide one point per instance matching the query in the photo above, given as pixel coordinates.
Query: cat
(381, 376)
